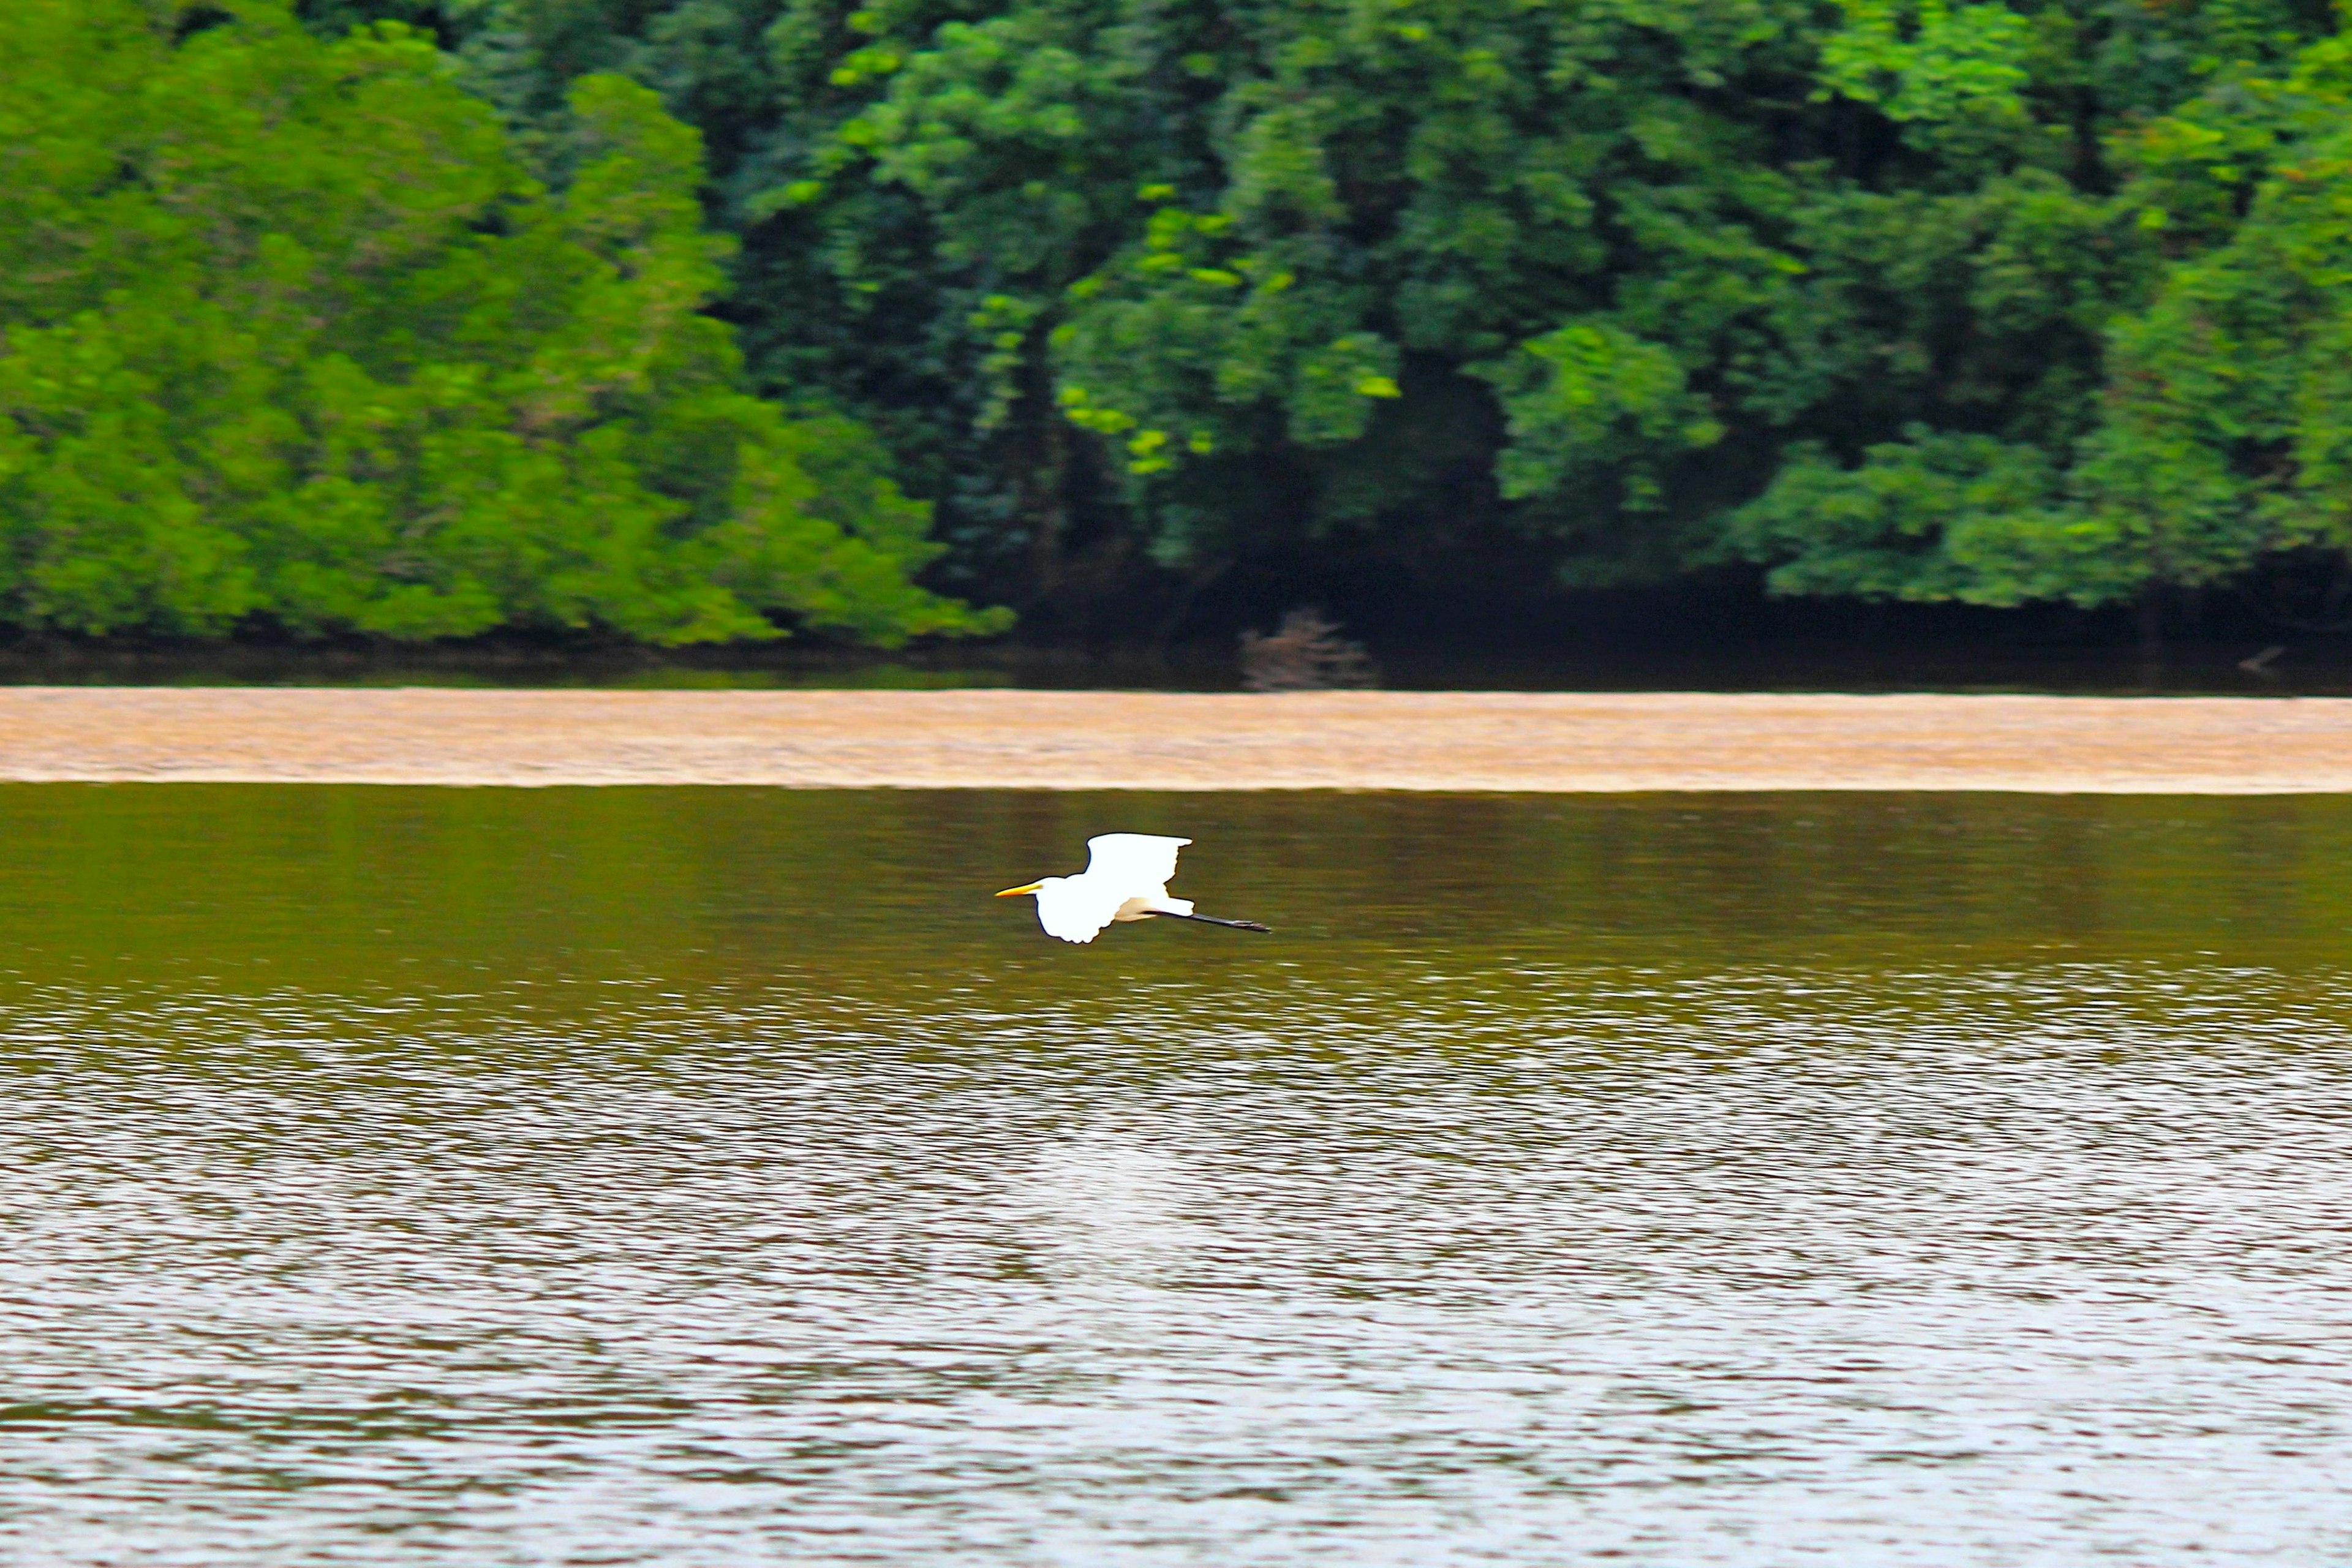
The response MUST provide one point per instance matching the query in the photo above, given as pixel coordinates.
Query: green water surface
(716, 1176)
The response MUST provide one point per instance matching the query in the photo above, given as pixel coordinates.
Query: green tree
(1895, 298)
(290, 336)
(2198, 447)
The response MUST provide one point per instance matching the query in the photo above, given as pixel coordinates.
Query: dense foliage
(288, 335)
(1912, 299)
(1985, 300)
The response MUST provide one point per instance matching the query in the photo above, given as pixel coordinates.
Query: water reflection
(683, 1177)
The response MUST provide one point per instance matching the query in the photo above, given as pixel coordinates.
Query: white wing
(1073, 911)
(1132, 860)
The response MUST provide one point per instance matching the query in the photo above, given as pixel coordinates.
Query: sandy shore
(1103, 740)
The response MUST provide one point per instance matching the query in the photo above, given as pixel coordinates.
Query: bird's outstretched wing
(1075, 911)
(1134, 859)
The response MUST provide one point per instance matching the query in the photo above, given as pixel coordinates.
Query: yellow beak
(1017, 892)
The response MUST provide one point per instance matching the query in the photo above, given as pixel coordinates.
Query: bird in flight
(1126, 879)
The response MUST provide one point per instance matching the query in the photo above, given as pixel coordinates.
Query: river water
(719, 1178)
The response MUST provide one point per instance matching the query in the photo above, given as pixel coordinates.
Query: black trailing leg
(1213, 921)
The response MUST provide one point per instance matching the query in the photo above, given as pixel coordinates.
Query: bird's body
(1126, 879)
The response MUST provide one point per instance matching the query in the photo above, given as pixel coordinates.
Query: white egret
(1126, 879)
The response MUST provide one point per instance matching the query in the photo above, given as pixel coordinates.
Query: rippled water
(720, 1177)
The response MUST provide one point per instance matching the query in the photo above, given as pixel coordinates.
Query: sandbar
(1463, 740)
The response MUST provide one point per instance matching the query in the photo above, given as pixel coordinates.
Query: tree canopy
(289, 334)
(1981, 300)
(1905, 298)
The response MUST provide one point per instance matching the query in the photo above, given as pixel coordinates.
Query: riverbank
(1109, 740)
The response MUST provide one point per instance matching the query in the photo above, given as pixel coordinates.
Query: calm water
(719, 1178)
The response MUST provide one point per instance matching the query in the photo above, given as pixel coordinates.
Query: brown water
(720, 1177)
